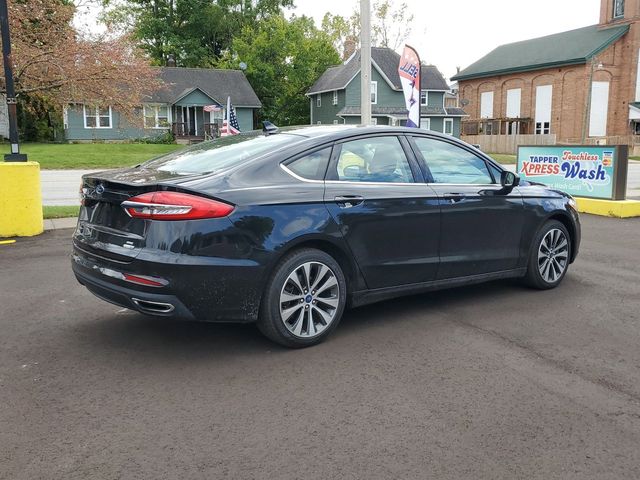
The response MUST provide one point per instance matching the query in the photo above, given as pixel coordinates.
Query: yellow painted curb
(20, 199)
(609, 208)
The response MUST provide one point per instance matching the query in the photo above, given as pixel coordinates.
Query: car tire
(549, 257)
(304, 299)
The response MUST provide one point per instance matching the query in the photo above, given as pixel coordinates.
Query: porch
(192, 124)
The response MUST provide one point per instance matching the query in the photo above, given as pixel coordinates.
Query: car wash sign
(582, 171)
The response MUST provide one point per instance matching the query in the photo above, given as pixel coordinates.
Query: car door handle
(455, 197)
(348, 201)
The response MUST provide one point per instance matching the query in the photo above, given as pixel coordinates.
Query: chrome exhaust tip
(153, 307)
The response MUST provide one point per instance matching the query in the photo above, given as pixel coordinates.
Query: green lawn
(59, 211)
(503, 158)
(91, 155)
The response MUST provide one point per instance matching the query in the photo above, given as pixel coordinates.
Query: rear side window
(376, 159)
(312, 166)
(221, 153)
(449, 163)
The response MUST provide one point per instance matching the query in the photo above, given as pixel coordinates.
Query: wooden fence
(507, 143)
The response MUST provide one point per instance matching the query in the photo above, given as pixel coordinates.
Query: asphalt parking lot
(493, 381)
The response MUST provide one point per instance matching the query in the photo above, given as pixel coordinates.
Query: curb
(609, 208)
(60, 223)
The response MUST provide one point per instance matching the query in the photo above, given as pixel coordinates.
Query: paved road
(60, 187)
(488, 382)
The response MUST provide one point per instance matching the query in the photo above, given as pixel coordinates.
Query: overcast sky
(459, 32)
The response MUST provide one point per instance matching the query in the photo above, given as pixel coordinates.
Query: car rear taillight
(175, 206)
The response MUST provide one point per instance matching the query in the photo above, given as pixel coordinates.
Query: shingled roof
(386, 61)
(216, 84)
(567, 48)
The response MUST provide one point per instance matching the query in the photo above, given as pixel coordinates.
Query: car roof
(335, 132)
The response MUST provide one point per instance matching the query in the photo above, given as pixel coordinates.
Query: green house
(335, 97)
(177, 107)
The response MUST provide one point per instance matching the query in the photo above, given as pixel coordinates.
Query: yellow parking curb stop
(609, 208)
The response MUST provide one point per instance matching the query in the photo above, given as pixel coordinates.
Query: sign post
(15, 155)
(598, 172)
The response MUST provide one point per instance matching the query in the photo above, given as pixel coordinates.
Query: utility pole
(365, 62)
(15, 155)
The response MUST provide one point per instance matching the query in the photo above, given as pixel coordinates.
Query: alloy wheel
(309, 299)
(553, 255)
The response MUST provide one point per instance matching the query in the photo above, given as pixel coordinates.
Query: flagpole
(365, 62)
(419, 86)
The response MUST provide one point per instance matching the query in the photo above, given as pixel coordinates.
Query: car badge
(100, 189)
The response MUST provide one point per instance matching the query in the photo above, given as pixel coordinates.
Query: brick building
(581, 86)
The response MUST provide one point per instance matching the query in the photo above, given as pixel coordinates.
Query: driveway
(494, 381)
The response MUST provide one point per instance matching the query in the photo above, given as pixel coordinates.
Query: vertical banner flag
(230, 123)
(409, 70)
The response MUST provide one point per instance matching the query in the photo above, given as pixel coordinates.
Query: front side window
(618, 8)
(97, 117)
(319, 101)
(374, 92)
(156, 116)
(377, 159)
(424, 98)
(335, 97)
(449, 163)
(312, 166)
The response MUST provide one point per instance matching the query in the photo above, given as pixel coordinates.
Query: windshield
(220, 154)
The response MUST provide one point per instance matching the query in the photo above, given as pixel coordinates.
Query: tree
(390, 25)
(54, 66)
(284, 58)
(193, 32)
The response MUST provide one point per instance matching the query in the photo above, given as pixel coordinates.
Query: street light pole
(15, 155)
(365, 62)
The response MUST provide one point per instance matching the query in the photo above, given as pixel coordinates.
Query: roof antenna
(269, 128)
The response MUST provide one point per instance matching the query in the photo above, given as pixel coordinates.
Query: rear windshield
(220, 154)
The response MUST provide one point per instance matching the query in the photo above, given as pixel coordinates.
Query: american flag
(230, 124)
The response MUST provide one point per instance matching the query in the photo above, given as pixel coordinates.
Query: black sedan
(289, 228)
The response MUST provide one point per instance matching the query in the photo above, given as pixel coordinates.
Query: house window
(335, 97)
(424, 98)
(448, 126)
(98, 117)
(544, 97)
(486, 105)
(425, 123)
(599, 109)
(156, 116)
(618, 8)
(319, 101)
(374, 92)
(374, 121)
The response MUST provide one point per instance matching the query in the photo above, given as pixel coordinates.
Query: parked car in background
(288, 229)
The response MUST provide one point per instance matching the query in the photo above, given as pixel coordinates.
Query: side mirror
(509, 179)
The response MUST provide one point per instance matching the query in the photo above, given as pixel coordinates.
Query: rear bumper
(196, 291)
(143, 302)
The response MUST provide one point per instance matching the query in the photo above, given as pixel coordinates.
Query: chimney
(350, 45)
(171, 60)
